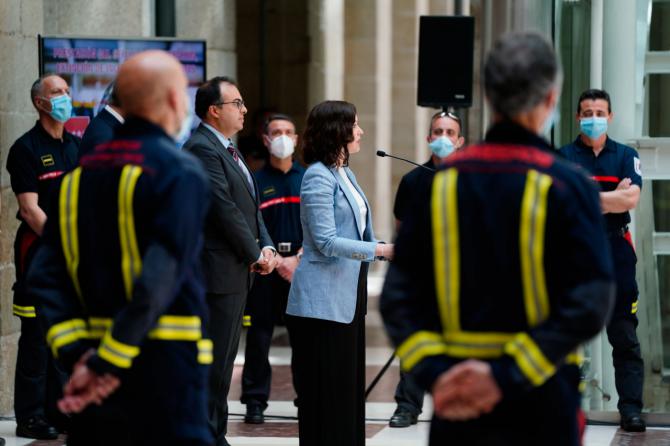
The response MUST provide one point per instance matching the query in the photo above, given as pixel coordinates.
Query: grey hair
(38, 85)
(520, 70)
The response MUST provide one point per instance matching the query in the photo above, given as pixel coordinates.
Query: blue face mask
(593, 127)
(61, 108)
(441, 147)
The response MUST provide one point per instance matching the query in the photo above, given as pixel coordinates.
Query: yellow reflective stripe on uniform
(531, 246)
(117, 353)
(419, 346)
(22, 311)
(633, 308)
(446, 254)
(131, 263)
(177, 328)
(480, 345)
(68, 208)
(98, 326)
(205, 351)
(530, 359)
(66, 332)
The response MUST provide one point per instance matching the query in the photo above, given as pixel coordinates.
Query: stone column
(326, 33)
(100, 18)
(20, 22)
(367, 84)
(214, 21)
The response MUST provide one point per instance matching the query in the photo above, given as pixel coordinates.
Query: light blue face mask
(61, 108)
(593, 127)
(441, 147)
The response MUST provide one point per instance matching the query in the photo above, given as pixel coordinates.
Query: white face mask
(185, 126)
(282, 146)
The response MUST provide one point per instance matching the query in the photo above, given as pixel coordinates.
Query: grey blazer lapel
(229, 159)
(350, 198)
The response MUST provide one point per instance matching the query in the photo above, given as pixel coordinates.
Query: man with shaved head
(122, 298)
(35, 161)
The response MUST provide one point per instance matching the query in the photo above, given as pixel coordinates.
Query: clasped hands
(86, 387)
(266, 264)
(466, 391)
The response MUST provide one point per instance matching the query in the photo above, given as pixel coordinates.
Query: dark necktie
(233, 152)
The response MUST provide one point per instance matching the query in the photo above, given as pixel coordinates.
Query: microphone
(382, 154)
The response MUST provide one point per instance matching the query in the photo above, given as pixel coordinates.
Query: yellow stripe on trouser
(117, 353)
(633, 308)
(446, 255)
(68, 207)
(530, 359)
(531, 246)
(205, 349)
(177, 328)
(65, 333)
(24, 311)
(131, 263)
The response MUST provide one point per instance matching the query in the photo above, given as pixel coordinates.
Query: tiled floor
(281, 428)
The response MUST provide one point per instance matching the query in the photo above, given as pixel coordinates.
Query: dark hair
(593, 94)
(330, 127)
(445, 114)
(520, 70)
(209, 93)
(276, 117)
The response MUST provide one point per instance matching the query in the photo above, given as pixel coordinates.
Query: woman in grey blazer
(327, 301)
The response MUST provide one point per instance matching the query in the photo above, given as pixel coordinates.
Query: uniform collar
(582, 146)
(134, 125)
(274, 170)
(508, 132)
(44, 134)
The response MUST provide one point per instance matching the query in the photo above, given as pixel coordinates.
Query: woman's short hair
(519, 72)
(330, 127)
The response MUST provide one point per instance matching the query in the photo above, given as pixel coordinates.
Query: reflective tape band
(131, 262)
(205, 351)
(65, 333)
(26, 311)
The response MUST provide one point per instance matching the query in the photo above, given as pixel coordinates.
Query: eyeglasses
(239, 103)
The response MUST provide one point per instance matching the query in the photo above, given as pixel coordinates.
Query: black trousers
(621, 330)
(225, 324)
(162, 401)
(408, 394)
(547, 415)
(266, 306)
(39, 380)
(329, 364)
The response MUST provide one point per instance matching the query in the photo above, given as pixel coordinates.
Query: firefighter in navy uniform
(123, 299)
(616, 168)
(499, 276)
(35, 162)
(444, 136)
(279, 185)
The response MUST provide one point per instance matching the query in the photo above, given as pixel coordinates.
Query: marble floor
(281, 428)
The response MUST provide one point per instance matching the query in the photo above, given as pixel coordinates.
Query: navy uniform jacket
(502, 263)
(280, 204)
(415, 182)
(35, 162)
(615, 162)
(119, 270)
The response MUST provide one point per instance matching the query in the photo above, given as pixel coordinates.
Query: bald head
(152, 85)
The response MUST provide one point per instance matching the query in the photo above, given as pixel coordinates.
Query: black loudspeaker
(446, 47)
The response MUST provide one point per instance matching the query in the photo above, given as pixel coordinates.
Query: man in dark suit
(102, 127)
(236, 241)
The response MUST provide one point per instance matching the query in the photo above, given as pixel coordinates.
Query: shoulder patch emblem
(637, 166)
(269, 190)
(47, 160)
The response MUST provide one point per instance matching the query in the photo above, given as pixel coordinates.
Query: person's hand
(384, 250)
(624, 184)
(389, 250)
(86, 387)
(468, 390)
(287, 266)
(268, 263)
